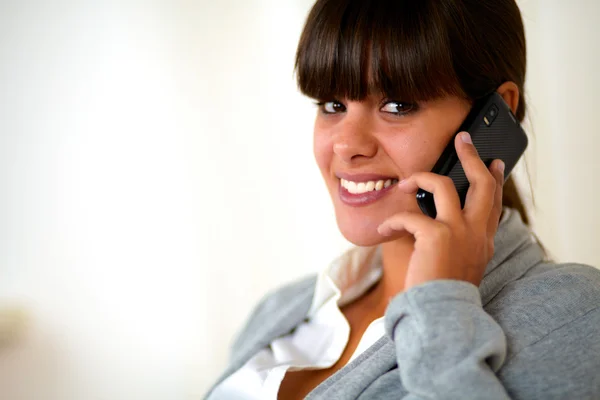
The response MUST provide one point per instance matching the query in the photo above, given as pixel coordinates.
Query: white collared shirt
(317, 343)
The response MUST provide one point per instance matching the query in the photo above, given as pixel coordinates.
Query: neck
(395, 256)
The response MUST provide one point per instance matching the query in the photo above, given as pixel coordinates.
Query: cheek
(418, 147)
(412, 153)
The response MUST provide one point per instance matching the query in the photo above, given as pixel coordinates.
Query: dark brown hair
(414, 50)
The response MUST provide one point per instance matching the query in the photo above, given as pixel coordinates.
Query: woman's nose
(354, 140)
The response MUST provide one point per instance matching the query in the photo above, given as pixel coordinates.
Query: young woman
(463, 306)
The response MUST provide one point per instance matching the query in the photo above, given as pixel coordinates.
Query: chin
(361, 231)
(359, 225)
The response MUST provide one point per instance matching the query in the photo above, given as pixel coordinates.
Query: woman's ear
(510, 93)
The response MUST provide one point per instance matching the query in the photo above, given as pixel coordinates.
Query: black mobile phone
(495, 132)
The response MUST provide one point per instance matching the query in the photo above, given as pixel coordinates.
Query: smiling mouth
(365, 187)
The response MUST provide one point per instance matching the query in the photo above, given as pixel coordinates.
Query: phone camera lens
(492, 111)
(491, 115)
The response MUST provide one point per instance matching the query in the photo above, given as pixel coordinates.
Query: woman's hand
(458, 244)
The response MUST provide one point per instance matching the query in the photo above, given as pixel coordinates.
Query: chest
(298, 384)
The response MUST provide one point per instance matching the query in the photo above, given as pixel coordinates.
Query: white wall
(156, 178)
(563, 79)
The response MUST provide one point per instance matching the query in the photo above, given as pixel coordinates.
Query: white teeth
(363, 187)
(351, 187)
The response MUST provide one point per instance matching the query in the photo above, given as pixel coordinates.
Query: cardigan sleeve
(447, 346)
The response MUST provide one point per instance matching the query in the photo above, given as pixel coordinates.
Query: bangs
(355, 48)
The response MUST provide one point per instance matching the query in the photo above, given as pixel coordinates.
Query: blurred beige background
(156, 179)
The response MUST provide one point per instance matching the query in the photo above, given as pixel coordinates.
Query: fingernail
(466, 137)
(501, 166)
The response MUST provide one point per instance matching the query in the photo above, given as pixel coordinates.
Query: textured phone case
(503, 139)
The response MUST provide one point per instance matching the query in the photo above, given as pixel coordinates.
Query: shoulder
(270, 306)
(565, 290)
(580, 272)
(551, 330)
(550, 317)
(548, 298)
(561, 294)
(559, 284)
(284, 294)
(554, 282)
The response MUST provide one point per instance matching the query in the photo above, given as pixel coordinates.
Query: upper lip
(363, 177)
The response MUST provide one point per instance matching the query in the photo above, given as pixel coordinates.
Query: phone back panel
(503, 139)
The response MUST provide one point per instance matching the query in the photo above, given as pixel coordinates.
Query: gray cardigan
(531, 330)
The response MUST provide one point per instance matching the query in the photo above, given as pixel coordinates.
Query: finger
(415, 223)
(480, 196)
(497, 169)
(445, 196)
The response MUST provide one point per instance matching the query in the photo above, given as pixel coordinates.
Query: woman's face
(377, 140)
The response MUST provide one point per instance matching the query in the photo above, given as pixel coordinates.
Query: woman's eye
(398, 107)
(331, 107)
(392, 107)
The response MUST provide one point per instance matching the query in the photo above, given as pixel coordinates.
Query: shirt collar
(348, 277)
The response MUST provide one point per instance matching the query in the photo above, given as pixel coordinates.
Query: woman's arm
(447, 346)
